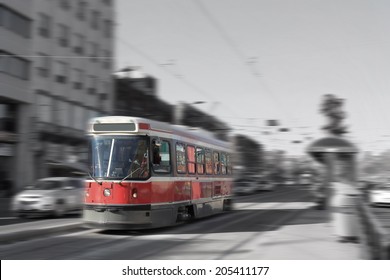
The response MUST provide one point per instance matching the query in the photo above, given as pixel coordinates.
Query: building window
(44, 25)
(8, 120)
(14, 66)
(79, 43)
(94, 51)
(55, 111)
(70, 114)
(44, 108)
(65, 4)
(92, 81)
(63, 113)
(15, 22)
(81, 10)
(106, 59)
(107, 28)
(79, 113)
(78, 77)
(95, 18)
(105, 89)
(61, 72)
(64, 33)
(43, 65)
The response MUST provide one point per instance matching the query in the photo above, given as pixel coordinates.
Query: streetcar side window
(216, 163)
(161, 159)
(200, 160)
(229, 165)
(223, 163)
(181, 158)
(191, 159)
(209, 162)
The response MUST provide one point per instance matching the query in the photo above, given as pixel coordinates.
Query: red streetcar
(147, 174)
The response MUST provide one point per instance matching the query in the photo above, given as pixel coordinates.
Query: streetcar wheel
(227, 205)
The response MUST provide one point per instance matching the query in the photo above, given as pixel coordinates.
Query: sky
(254, 60)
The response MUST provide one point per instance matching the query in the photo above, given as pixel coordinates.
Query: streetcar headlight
(134, 193)
(107, 192)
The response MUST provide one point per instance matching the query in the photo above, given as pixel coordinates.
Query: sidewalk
(309, 236)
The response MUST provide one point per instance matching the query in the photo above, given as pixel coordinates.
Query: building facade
(72, 46)
(15, 97)
(56, 65)
(136, 94)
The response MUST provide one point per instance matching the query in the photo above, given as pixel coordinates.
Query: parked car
(380, 195)
(305, 179)
(266, 185)
(244, 187)
(289, 182)
(50, 196)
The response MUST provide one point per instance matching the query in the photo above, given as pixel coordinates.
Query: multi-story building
(71, 75)
(55, 73)
(15, 95)
(136, 95)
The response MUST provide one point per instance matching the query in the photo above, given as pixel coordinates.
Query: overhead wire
(248, 62)
(181, 78)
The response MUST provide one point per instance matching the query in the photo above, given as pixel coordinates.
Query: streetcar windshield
(118, 157)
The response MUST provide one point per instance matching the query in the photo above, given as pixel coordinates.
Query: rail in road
(260, 227)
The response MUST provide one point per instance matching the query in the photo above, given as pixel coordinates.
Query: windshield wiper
(100, 183)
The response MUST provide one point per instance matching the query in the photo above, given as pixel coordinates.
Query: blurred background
(251, 72)
(64, 62)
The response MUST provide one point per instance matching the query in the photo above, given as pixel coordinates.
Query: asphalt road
(229, 235)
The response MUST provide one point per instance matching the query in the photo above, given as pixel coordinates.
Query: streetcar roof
(127, 125)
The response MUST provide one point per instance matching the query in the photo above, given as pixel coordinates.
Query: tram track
(187, 235)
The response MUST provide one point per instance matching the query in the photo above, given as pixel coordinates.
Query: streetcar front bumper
(128, 216)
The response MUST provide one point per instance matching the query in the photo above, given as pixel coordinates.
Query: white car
(244, 187)
(50, 196)
(380, 195)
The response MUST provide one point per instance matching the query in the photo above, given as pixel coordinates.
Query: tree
(331, 108)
